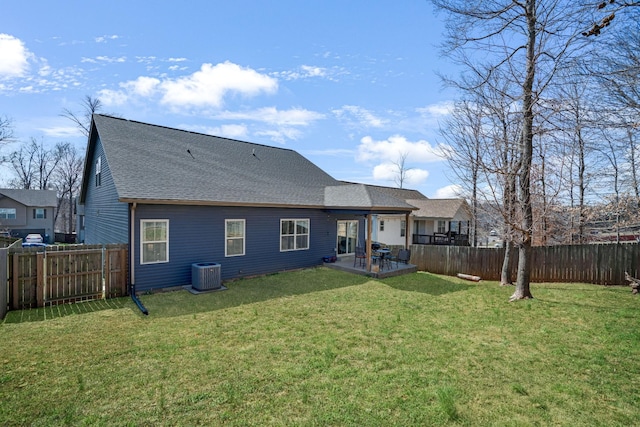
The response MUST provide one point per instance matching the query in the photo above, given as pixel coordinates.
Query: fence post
(4, 278)
(41, 279)
(104, 260)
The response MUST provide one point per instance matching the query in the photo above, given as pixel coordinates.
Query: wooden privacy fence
(36, 277)
(602, 264)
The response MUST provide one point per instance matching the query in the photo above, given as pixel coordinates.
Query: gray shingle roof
(398, 193)
(440, 208)
(35, 198)
(160, 164)
(361, 195)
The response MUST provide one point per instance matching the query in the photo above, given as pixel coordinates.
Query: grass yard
(321, 347)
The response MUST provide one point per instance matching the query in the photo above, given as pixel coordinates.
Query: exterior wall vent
(205, 276)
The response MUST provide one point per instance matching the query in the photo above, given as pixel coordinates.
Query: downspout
(132, 271)
(407, 230)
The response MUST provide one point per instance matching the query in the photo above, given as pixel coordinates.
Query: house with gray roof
(180, 198)
(433, 222)
(440, 222)
(25, 212)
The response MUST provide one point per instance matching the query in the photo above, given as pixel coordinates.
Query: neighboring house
(440, 222)
(434, 222)
(28, 211)
(179, 198)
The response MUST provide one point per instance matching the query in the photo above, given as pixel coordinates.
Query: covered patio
(346, 263)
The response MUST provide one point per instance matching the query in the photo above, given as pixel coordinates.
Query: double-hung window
(39, 213)
(294, 234)
(7, 213)
(234, 237)
(154, 241)
(442, 227)
(382, 225)
(403, 228)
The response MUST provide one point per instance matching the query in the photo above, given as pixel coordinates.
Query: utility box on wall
(206, 276)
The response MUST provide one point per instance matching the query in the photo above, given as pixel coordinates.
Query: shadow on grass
(181, 302)
(62, 310)
(426, 283)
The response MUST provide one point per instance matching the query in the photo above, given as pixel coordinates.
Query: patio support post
(368, 241)
(407, 229)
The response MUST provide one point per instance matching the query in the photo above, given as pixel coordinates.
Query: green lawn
(324, 348)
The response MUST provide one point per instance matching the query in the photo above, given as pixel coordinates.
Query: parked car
(33, 238)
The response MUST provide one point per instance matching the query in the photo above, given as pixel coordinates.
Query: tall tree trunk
(523, 290)
(70, 229)
(505, 275)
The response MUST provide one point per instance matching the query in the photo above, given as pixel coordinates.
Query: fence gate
(64, 274)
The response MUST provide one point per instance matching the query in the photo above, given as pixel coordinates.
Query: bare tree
(90, 106)
(401, 169)
(527, 42)
(610, 8)
(33, 165)
(67, 178)
(6, 129)
(462, 132)
(24, 165)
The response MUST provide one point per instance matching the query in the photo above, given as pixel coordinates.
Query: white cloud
(112, 97)
(303, 72)
(358, 116)
(209, 85)
(146, 59)
(436, 110)
(142, 86)
(392, 148)
(104, 59)
(281, 135)
(292, 117)
(231, 131)
(61, 131)
(14, 57)
(311, 71)
(104, 39)
(452, 191)
(389, 172)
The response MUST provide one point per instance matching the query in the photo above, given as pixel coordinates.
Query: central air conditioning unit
(205, 276)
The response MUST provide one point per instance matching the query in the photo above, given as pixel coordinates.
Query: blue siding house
(178, 198)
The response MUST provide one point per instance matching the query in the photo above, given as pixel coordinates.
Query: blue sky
(352, 85)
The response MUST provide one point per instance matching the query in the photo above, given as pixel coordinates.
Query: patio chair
(361, 255)
(404, 255)
(393, 257)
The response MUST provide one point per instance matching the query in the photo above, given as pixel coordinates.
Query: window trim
(143, 242)
(444, 226)
(403, 228)
(381, 225)
(227, 238)
(36, 215)
(295, 234)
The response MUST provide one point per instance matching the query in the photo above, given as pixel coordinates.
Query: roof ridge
(192, 132)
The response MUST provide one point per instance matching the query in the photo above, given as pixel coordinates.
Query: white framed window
(39, 213)
(99, 172)
(403, 228)
(7, 213)
(154, 241)
(294, 234)
(234, 237)
(382, 225)
(442, 227)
